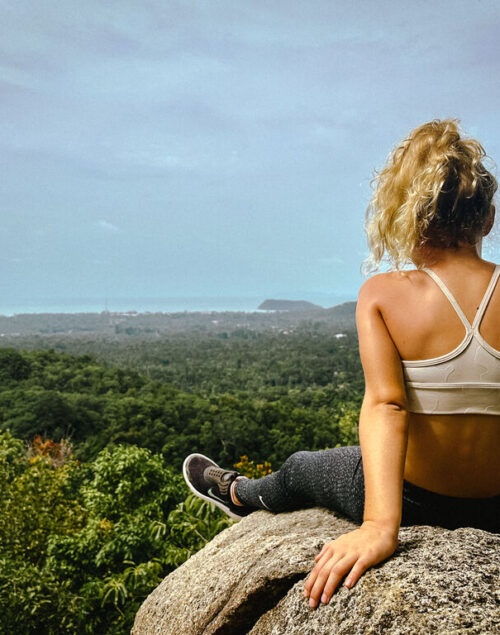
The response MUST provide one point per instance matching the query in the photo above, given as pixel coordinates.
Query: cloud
(107, 226)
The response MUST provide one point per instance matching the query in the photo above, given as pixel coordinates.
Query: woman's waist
(424, 507)
(415, 493)
(454, 455)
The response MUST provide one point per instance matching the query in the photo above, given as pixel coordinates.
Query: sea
(159, 305)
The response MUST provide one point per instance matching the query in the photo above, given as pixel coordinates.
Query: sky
(156, 149)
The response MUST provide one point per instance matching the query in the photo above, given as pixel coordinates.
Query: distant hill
(345, 311)
(288, 305)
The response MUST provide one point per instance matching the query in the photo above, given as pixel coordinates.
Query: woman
(430, 347)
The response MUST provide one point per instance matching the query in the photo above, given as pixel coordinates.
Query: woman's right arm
(383, 425)
(383, 433)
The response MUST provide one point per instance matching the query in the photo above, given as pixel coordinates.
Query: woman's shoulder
(386, 285)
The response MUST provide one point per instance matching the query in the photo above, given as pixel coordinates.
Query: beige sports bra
(466, 380)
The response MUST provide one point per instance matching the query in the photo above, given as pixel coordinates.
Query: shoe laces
(222, 478)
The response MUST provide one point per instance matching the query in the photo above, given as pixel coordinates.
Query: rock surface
(249, 579)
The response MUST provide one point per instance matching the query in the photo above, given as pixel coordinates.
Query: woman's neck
(432, 256)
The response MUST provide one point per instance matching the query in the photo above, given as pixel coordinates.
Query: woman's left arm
(383, 431)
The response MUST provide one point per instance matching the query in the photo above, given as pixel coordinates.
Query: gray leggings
(334, 479)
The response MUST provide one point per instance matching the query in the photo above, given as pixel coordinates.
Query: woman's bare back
(456, 455)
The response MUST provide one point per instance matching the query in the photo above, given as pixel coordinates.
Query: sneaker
(210, 482)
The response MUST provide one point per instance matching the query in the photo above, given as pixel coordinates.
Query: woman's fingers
(357, 571)
(336, 575)
(329, 577)
(327, 554)
(309, 583)
(350, 555)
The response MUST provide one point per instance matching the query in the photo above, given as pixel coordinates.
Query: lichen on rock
(249, 580)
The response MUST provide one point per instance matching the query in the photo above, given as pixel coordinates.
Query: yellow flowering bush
(248, 468)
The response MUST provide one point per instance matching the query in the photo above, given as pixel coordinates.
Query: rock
(249, 580)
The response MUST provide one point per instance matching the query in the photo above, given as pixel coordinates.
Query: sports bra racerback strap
(484, 302)
(486, 298)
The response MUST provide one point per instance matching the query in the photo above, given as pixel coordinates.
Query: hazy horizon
(217, 149)
(162, 305)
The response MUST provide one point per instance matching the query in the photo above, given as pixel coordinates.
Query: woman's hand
(352, 554)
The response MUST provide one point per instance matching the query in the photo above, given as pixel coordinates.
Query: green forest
(94, 512)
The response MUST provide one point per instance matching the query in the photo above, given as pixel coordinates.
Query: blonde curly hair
(433, 191)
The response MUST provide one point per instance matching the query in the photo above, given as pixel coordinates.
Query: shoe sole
(219, 504)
